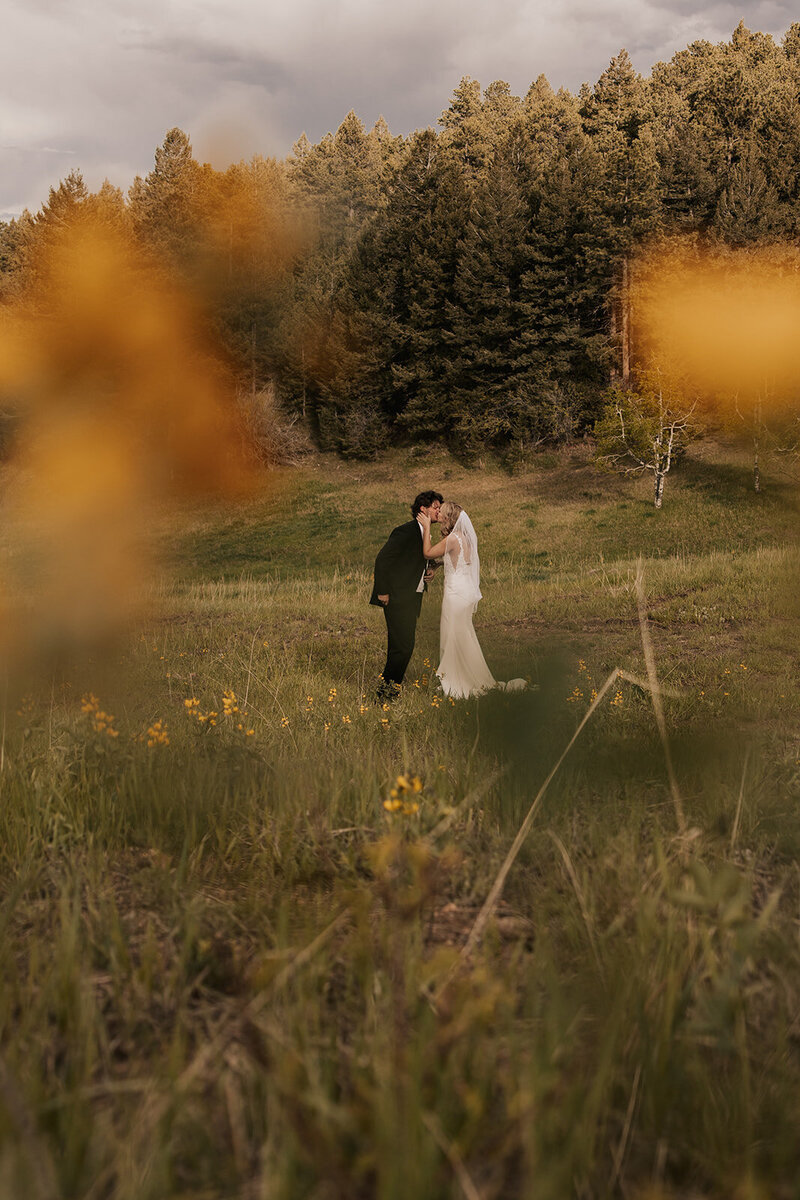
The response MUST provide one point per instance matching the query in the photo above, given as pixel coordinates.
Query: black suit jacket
(399, 566)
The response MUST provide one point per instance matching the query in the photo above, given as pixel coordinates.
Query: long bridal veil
(465, 531)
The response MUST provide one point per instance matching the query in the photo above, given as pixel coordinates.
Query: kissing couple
(405, 565)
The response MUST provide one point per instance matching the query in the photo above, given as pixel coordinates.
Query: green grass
(628, 1026)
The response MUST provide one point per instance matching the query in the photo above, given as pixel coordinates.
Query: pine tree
(425, 221)
(338, 185)
(467, 138)
(14, 237)
(338, 181)
(688, 152)
(562, 341)
(107, 207)
(626, 192)
(251, 246)
(168, 204)
(389, 353)
(62, 205)
(484, 316)
(748, 209)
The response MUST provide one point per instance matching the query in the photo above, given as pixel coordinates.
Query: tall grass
(230, 970)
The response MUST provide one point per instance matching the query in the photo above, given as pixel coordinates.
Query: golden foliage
(123, 401)
(719, 321)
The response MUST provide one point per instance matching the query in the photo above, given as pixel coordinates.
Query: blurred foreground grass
(224, 959)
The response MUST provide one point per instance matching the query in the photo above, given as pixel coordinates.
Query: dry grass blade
(573, 878)
(250, 667)
(740, 801)
(154, 1108)
(433, 1125)
(98, 1091)
(43, 1172)
(655, 693)
(251, 1010)
(647, 686)
(471, 798)
(481, 921)
(5, 714)
(619, 1156)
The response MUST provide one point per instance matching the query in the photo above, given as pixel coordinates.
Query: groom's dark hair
(425, 500)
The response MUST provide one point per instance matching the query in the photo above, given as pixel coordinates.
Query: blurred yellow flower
(157, 734)
(103, 722)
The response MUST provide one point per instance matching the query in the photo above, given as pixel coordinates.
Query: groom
(401, 574)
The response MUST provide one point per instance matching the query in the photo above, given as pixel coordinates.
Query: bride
(462, 668)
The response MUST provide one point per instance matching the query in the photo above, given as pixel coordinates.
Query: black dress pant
(401, 631)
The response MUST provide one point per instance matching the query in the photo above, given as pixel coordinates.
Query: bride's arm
(428, 550)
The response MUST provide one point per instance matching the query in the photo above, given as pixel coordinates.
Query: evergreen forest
(466, 284)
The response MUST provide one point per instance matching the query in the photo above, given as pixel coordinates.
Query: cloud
(107, 79)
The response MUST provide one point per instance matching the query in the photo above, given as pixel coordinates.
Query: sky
(95, 84)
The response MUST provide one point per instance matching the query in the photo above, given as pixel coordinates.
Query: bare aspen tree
(644, 431)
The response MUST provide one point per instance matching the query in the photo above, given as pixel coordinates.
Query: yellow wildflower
(157, 734)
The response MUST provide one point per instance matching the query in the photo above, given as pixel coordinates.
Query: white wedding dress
(462, 668)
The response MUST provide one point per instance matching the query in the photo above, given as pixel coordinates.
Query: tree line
(472, 283)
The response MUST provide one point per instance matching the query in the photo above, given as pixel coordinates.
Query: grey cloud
(224, 63)
(764, 15)
(36, 149)
(108, 89)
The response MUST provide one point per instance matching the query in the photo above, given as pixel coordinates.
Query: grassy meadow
(235, 890)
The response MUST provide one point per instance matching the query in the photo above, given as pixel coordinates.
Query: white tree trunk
(658, 489)
(757, 423)
(625, 323)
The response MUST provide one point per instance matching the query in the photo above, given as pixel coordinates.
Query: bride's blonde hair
(448, 515)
